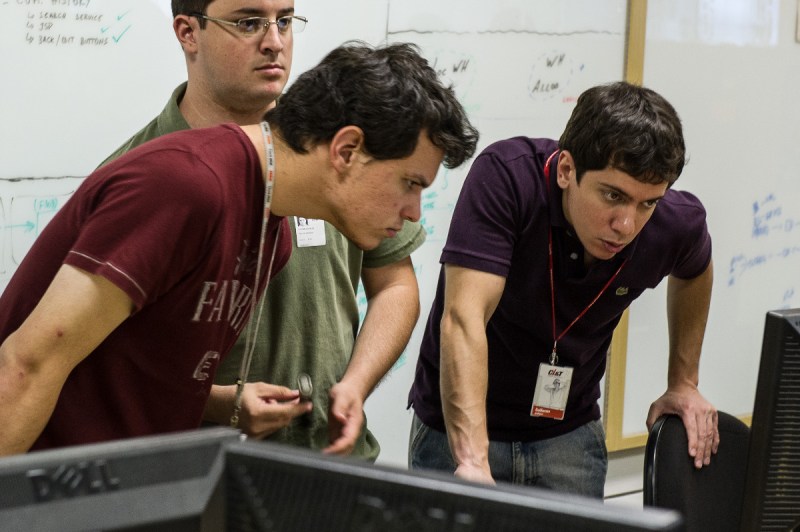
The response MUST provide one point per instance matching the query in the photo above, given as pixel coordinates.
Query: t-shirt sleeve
(485, 223)
(148, 224)
(392, 250)
(694, 255)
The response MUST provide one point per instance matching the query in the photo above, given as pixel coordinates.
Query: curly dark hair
(390, 92)
(629, 128)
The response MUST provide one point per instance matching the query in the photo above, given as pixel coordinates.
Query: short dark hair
(390, 92)
(188, 7)
(627, 127)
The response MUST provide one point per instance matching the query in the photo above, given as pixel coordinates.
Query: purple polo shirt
(500, 225)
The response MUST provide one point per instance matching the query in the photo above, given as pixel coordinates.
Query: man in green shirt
(238, 57)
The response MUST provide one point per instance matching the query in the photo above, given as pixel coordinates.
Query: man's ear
(185, 28)
(346, 148)
(565, 168)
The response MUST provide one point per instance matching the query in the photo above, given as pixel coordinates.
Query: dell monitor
(772, 488)
(169, 483)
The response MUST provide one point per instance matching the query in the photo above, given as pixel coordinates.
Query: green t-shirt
(310, 317)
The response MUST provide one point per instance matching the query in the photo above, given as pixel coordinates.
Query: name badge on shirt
(552, 390)
(310, 232)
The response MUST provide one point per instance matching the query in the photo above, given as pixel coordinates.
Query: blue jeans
(575, 462)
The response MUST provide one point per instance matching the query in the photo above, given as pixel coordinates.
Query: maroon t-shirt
(500, 225)
(176, 224)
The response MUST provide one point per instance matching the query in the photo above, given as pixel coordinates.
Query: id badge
(552, 391)
(310, 232)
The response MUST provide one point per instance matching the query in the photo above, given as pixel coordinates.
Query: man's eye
(283, 23)
(249, 25)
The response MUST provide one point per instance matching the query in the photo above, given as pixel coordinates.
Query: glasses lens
(249, 26)
(298, 24)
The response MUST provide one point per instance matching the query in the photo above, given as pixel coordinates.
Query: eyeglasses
(252, 25)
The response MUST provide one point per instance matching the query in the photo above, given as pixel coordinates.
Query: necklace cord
(252, 329)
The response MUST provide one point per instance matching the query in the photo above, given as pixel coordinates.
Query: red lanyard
(553, 355)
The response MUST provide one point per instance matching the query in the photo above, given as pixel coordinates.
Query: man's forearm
(463, 388)
(688, 302)
(219, 406)
(388, 324)
(23, 415)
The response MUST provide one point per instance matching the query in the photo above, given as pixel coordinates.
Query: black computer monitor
(211, 480)
(272, 487)
(772, 489)
(159, 483)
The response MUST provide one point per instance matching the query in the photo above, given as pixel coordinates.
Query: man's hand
(474, 474)
(345, 419)
(698, 416)
(266, 408)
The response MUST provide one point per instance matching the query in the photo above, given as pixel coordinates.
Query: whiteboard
(732, 70)
(82, 83)
(80, 77)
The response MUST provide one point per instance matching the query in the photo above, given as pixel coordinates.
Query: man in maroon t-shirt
(115, 324)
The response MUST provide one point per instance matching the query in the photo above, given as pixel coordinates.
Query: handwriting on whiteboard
(26, 207)
(777, 234)
(80, 23)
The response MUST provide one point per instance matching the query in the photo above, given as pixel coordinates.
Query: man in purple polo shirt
(549, 243)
